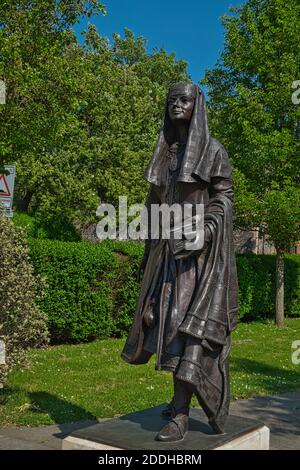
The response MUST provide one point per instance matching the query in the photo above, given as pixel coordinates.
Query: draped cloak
(193, 299)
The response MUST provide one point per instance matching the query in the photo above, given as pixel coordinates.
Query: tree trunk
(279, 287)
(23, 203)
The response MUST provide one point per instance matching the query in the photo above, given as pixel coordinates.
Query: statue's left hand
(184, 246)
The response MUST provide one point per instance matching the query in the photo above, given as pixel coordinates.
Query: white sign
(7, 183)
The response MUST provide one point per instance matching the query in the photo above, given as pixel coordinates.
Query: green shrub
(92, 288)
(257, 285)
(79, 291)
(292, 285)
(127, 288)
(22, 324)
(25, 221)
(58, 228)
(55, 228)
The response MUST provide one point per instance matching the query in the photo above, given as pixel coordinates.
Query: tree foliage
(253, 114)
(81, 119)
(252, 110)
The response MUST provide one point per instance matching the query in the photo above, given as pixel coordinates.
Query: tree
(43, 68)
(81, 119)
(123, 110)
(253, 114)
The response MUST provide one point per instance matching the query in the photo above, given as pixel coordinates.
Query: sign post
(7, 183)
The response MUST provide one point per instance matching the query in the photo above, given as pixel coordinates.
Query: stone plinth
(137, 431)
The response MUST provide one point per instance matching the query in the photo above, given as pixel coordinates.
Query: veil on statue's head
(198, 159)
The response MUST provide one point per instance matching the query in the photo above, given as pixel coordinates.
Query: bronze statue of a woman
(187, 306)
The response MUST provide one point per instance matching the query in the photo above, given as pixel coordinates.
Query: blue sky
(190, 28)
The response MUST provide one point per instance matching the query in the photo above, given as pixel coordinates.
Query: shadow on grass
(59, 410)
(5, 393)
(272, 379)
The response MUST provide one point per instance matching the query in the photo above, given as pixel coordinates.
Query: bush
(25, 221)
(129, 255)
(79, 292)
(22, 324)
(257, 286)
(58, 228)
(292, 285)
(92, 288)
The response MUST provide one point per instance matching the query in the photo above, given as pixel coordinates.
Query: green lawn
(70, 383)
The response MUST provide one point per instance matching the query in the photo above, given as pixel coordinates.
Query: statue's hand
(184, 246)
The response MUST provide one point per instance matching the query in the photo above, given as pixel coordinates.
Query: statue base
(137, 431)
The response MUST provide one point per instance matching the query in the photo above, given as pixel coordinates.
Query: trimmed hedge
(126, 288)
(257, 286)
(79, 292)
(92, 290)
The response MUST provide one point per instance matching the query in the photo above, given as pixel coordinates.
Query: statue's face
(180, 107)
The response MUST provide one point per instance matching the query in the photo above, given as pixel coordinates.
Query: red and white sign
(7, 183)
(4, 189)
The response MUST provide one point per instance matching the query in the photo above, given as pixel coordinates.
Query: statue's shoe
(175, 430)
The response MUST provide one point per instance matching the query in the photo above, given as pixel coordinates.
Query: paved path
(280, 413)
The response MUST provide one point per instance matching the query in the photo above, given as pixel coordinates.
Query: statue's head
(185, 110)
(180, 102)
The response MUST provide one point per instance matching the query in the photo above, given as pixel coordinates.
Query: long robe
(193, 299)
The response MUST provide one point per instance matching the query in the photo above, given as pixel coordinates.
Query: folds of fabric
(204, 365)
(187, 307)
(213, 312)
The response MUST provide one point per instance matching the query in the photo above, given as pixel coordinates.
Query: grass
(78, 382)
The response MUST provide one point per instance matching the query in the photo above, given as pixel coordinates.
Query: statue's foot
(169, 411)
(175, 430)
